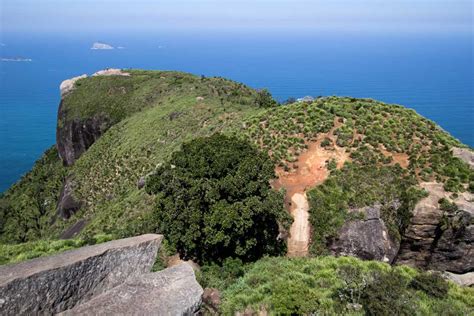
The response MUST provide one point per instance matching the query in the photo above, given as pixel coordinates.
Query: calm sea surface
(431, 74)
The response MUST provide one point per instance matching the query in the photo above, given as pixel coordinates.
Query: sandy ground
(310, 171)
(300, 230)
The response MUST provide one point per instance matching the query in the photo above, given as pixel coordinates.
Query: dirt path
(309, 171)
(300, 230)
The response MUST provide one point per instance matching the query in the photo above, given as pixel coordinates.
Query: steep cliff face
(74, 137)
(437, 238)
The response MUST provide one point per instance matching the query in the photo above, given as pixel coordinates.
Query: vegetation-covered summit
(201, 160)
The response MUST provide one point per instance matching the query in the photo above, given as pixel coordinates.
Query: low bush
(431, 283)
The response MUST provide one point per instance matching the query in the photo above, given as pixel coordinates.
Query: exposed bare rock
(173, 291)
(366, 238)
(111, 72)
(74, 137)
(141, 183)
(56, 283)
(67, 204)
(437, 239)
(211, 300)
(69, 84)
(74, 230)
(465, 154)
(466, 279)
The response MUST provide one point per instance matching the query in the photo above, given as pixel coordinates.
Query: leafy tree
(214, 201)
(265, 99)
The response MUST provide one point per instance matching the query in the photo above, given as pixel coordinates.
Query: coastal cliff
(359, 178)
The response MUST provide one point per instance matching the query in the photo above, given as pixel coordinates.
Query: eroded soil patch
(308, 171)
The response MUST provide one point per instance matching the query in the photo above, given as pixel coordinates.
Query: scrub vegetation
(207, 149)
(333, 286)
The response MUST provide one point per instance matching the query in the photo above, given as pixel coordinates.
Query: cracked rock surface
(50, 285)
(173, 291)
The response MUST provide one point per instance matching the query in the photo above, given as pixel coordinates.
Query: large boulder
(439, 239)
(367, 238)
(67, 204)
(53, 284)
(173, 291)
(68, 85)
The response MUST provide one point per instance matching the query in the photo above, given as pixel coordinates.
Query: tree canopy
(214, 201)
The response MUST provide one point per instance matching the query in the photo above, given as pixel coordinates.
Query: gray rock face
(453, 248)
(439, 240)
(53, 284)
(69, 85)
(67, 204)
(466, 279)
(465, 154)
(367, 238)
(74, 137)
(173, 291)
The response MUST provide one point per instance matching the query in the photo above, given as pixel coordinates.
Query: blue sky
(311, 15)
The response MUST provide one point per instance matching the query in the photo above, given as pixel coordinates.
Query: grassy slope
(28, 207)
(372, 132)
(160, 110)
(286, 286)
(105, 176)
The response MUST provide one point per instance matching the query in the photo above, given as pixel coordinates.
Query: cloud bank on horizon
(312, 15)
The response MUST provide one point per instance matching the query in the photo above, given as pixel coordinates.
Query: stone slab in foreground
(173, 291)
(53, 284)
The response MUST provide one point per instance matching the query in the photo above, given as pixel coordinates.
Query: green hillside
(163, 125)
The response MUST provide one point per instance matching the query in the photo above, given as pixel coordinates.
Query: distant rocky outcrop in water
(101, 46)
(109, 278)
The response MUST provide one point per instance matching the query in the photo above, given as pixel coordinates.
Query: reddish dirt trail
(310, 170)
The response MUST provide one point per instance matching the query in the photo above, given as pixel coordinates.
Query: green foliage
(214, 201)
(221, 276)
(387, 294)
(28, 207)
(105, 176)
(156, 111)
(357, 186)
(20, 252)
(364, 127)
(335, 286)
(431, 283)
(326, 142)
(447, 206)
(265, 99)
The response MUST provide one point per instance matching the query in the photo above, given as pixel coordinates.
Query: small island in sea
(101, 46)
(15, 59)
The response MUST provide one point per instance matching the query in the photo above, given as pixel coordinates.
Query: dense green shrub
(265, 100)
(387, 295)
(430, 283)
(221, 276)
(214, 201)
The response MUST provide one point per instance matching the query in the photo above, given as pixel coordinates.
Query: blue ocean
(432, 74)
